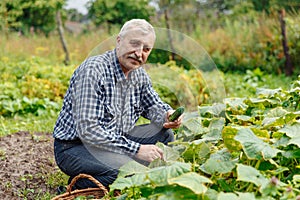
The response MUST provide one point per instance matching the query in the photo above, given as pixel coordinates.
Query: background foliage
(238, 34)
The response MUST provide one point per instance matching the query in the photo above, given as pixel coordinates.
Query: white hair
(138, 24)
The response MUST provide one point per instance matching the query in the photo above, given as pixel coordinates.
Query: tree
(24, 15)
(74, 15)
(10, 11)
(117, 12)
(40, 15)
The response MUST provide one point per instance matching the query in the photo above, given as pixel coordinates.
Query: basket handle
(69, 187)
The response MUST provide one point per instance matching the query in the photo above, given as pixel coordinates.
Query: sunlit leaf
(214, 110)
(132, 181)
(191, 180)
(160, 175)
(292, 131)
(194, 125)
(277, 112)
(228, 135)
(261, 103)
(296, 178)
(278, 117)
(254, 147)
(261, 133)
(250, 174)
(132, 167)
(172, 192)
(292, 154)
(196, 151)
(220, 162)
(238, 196)
(169, 153)
(236, 105)
(265, 92)
(215, 129)
(244, 118)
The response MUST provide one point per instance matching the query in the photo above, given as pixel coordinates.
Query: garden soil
(26, 160)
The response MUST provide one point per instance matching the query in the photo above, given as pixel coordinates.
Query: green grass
(29, 123)
(244, 85)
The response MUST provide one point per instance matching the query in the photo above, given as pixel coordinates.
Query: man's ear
(118, 40)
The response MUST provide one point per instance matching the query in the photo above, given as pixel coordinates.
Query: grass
(29, 123)
(245, 85)
(18, 48)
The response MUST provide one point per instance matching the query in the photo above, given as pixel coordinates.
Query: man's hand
(174, 124)
(149, 152)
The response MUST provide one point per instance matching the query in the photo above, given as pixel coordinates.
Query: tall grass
(251, 42)
(18, 47)
(248, 42)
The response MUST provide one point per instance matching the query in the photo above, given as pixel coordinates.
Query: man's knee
(169, 136)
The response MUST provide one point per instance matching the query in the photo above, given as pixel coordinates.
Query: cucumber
(176, 114)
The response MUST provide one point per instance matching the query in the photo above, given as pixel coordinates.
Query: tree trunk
(169, 33)
(288, 65)
(62, 39)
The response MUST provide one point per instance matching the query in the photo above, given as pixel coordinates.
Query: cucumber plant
(242, 148)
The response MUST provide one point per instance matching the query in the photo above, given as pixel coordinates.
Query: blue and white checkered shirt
(101, 106)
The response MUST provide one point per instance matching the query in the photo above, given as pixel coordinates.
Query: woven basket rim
(76, 193)
(99, 191)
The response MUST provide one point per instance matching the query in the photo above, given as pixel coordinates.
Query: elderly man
(95, 132)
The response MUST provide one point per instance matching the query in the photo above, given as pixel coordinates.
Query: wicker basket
(97, 193)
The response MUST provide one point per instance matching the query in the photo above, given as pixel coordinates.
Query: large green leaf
(244, 118)
(133, 181)
(169, 153)
(193, 181)
(215, 129)
(292, 131)
(238, 196)
(191, 127)
(292, 154)
(228, 135)
(172, 192)
(254, 147)
(132, 167)
(213, 110)
(220, 162)
(236, 105)
(160, 175)
(196, 151)
(261, 103)
(194, 125)
(263, 134)
(268, 93)
(250, 174)
(278, 117)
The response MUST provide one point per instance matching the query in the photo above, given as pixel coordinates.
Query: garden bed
(25, 163)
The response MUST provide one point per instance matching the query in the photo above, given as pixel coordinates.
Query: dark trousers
(74, 157)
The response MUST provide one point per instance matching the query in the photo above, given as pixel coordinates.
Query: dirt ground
(26, 160)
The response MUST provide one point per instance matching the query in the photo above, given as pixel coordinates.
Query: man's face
(133, 49)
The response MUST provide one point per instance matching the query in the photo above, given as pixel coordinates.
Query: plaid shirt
(101, 106)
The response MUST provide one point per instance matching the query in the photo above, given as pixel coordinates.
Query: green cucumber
(176, 114)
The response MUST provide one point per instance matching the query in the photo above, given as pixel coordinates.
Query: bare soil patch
(26, 162)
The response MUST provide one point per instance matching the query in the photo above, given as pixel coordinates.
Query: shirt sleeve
(89, 116)
(155, 108)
